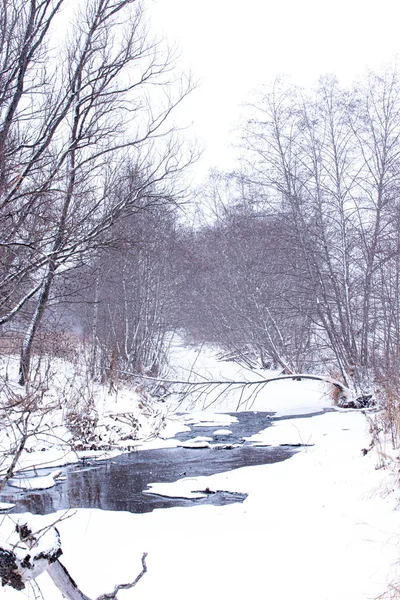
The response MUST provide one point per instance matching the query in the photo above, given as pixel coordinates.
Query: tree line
(297, 262)
(304, 243)
(86, 142)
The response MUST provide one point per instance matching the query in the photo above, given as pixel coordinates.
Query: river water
(118, 484)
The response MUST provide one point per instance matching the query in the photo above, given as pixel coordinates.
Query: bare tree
(128, 315)
(329, 163)
(299, 258)
(236, 282)
(83, 140)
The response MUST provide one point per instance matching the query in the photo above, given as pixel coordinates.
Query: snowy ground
(124, 417)
(321, 525)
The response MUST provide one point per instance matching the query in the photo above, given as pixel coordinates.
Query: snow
(285, 397)
(184, 488)
(196, 442)
(223, 432)
(208, 419)
(321, 525)
(318, 526)
(47, 540)
(35, 483)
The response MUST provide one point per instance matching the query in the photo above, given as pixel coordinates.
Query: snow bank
(44, 482)
(318, 526)
(321, 525)
(285, 397)
(122, 420)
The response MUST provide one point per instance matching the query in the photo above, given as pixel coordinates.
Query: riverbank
(321, 525)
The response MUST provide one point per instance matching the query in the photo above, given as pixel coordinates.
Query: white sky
(234, 47)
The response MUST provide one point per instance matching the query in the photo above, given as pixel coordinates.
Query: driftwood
(41, 552)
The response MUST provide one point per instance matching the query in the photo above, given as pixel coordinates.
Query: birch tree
(83, 141)
(129, 316)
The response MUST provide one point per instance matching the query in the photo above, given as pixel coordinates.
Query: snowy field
(321, 525)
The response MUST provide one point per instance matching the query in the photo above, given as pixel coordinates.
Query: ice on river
(321, 525)
(44, 482)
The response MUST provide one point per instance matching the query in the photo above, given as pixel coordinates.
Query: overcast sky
(234, 47)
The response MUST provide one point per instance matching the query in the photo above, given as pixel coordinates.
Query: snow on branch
(205, 386)
(293, 376)
(38, 550)
(20, 564)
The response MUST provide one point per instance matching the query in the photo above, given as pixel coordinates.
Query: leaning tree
(85, 139)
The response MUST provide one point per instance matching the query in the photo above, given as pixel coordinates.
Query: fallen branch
(294, 376)
(64, 582)
(67, 586)
(126, 586)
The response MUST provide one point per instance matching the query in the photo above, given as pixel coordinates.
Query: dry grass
(389, 402)
(59, 344)
(335, 394)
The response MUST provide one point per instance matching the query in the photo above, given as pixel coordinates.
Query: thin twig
(126, 586)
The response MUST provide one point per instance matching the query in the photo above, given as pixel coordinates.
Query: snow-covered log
(63, 580)
(20, 564)
(38, 550)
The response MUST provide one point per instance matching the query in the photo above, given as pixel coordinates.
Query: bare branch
(126, 586)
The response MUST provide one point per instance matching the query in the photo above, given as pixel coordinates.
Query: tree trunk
(40, 552)
(26, 350)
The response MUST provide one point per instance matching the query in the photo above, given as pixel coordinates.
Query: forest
(292, 261)
(288, 263)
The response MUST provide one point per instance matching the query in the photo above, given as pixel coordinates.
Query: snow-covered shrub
(81, 416)
(81, 421)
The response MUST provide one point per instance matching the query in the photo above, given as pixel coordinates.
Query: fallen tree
(39, 551)
(344, 397)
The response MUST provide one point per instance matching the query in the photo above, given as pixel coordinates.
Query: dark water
(247, 424)
(118, 484)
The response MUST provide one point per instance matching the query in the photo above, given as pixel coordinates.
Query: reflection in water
(118, 484)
